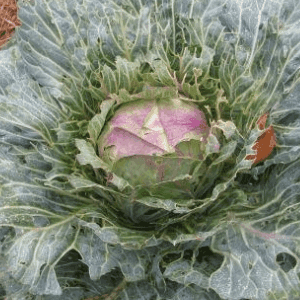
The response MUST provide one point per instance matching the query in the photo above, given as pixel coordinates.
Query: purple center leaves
(151, 127)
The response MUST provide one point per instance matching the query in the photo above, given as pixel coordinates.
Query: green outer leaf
(148, 170)
(88, 156)
(127, 74)
(110, 80)
(96, 124)
(32, 252)
(164, 203)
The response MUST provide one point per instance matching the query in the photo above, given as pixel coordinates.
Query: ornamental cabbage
(150, 150)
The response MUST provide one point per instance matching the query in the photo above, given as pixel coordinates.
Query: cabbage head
(150, 150)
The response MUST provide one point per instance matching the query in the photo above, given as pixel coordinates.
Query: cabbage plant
(150, 150)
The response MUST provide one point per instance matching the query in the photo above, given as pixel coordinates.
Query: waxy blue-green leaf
(221, 228)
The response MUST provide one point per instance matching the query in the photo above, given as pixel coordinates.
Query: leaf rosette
(156, 140)
(155, 144)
